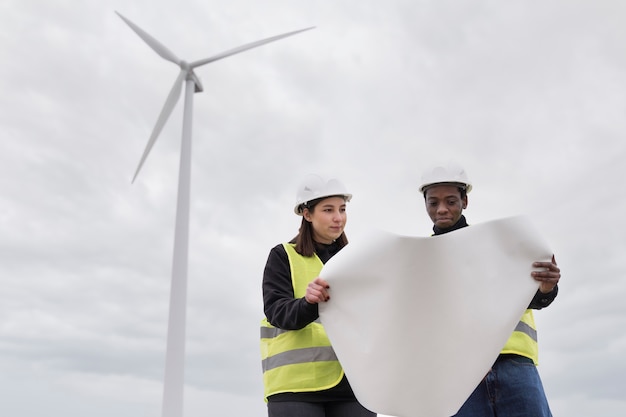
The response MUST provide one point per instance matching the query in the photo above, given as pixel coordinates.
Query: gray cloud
(529, 97)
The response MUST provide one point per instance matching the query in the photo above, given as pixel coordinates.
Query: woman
(301, 373)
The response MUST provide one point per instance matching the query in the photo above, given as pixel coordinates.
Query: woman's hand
(317, 291)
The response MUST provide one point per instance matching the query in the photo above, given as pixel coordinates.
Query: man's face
(444, 205)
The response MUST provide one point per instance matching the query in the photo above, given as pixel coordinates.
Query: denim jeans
(325, 409)
(511, 389)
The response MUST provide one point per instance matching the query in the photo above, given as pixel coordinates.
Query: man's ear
(465, 202)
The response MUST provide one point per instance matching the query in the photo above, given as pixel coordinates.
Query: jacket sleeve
(281, 307)
(541, 300)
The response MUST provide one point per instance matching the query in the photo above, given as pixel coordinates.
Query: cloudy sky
(528, 96)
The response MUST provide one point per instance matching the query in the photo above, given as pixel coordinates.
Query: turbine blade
(170, 103)
(157, 46)
(245, 48)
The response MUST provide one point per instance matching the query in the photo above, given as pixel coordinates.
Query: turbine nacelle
(196, 81)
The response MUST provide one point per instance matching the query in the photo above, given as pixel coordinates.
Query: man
(512, 388)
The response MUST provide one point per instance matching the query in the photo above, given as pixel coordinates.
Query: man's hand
(549, 277)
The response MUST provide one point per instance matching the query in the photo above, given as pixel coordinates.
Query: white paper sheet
(416, 322)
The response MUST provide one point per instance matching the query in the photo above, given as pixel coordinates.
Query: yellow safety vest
(298, 360)
(523, 341)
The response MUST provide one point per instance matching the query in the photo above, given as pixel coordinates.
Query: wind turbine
(173, 386)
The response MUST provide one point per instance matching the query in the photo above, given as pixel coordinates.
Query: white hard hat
(449, 174)
(314, 187)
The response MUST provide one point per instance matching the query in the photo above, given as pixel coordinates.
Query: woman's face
(328, 219)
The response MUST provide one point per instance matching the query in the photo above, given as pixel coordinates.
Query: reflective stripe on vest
(298, 360)
(298, 356)
(523, 341)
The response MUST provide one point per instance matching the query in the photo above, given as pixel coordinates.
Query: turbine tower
(173, 386)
